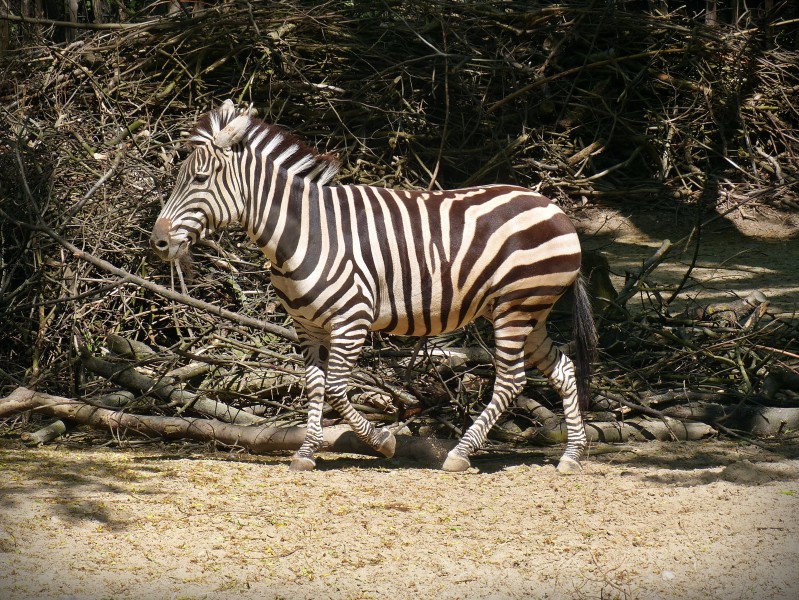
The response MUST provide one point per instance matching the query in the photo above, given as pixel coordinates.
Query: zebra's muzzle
(165, 245)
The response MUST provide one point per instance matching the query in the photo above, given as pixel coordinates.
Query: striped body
(347, 259)
(456, 256)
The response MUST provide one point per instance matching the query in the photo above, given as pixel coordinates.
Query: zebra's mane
(286, 150)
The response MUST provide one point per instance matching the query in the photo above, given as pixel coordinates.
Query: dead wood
(779, 380)
(114, 400)
(644, 429)
(256, 439)
(699, 411)
(164, 389)
(166, 292)
(765, 421)
(635, 281)
(637, 429)
(733, 311)
(45, 435)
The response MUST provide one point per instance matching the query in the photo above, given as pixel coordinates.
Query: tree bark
(45, 434)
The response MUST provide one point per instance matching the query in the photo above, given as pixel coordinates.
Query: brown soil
(690, 520)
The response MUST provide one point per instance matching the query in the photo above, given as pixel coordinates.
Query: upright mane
(222, 127)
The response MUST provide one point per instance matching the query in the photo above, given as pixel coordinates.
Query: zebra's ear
(233, 133)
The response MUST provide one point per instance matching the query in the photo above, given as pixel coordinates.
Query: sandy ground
(689, 520)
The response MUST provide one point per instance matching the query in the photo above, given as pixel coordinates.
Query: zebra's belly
(447, 308)
(433, 319)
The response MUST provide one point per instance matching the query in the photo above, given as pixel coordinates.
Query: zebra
(347, 259)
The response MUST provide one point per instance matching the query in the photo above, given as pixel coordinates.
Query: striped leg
(330, 380)
(314, 349)
(559, 369)
(345, 345)
(510, 378)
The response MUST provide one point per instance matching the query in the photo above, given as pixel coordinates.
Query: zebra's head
(207, 193)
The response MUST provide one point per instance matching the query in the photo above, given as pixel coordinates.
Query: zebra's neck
(283, 215)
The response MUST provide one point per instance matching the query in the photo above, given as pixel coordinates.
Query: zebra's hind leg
(510, 378)
(562, 378)
(559, 370)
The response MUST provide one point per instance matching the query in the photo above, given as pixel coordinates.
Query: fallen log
(128, 377)
(765, 420)
(552, 428)
(338, 439)
(666, 429)
(45, 434)
(733, 311)
(255, 439)
(699, 411)
(638, 429)
(779, 380)
(114, 400)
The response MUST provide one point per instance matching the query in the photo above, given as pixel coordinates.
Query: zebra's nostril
(160, 237)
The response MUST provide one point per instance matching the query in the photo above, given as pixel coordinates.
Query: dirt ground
(677, 520)
(750, 249)
(659, 520)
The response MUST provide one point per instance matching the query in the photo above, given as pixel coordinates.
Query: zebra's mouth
(166, 244)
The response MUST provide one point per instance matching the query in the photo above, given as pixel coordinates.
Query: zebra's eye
(200, 177)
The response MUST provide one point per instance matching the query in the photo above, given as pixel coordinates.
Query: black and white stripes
(349, 259)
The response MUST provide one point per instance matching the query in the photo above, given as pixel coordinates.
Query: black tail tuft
(585, 341)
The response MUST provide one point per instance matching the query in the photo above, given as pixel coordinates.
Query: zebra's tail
(585, 341)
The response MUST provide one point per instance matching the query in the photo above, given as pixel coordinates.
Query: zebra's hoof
(387, 443)
(569, 466)
(302, 463)
(456, 463)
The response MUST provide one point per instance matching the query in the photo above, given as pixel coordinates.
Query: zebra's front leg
(345, 345)
(312, 349)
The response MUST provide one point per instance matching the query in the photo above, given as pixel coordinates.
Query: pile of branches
(597, 102)
(598, 99)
